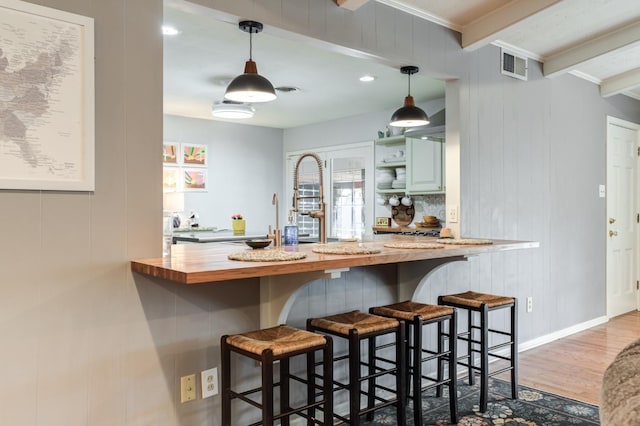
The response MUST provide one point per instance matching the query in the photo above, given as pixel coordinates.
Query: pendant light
(409, 115)
(250, 86)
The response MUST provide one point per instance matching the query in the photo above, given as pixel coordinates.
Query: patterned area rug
(534, 408)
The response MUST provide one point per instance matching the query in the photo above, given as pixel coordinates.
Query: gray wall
(87, 343)
(244, 167)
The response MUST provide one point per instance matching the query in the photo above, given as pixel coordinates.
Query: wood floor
(574, 366)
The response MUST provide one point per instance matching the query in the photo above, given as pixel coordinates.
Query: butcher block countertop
(204, 263)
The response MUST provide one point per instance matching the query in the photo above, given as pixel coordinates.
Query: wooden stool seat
(408, 310)
(363, 323)
(281, 340)
(357, 327)
(419, 353)
(482, 304)
(280, 343)
(474, 300)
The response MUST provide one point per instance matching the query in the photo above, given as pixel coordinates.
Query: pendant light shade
(250, 86)
(409, 115)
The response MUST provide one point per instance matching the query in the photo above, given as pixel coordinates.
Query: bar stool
(357, 327)
(416, 316)
(483, 304)
(280, 343)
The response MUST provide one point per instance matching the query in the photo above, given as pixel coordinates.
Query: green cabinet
(422, 159)
(424, 166)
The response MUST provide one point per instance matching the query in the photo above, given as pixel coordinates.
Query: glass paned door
(348, 190)
(348, 185)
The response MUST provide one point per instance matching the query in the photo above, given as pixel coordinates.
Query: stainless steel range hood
(434, 131)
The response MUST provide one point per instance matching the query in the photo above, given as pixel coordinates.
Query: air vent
(287, 89)
(514, 66)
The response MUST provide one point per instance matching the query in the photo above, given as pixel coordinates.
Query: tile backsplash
(431, 205)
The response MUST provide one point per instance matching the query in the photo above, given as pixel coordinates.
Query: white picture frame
(51, 144)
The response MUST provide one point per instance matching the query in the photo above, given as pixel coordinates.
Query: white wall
(245, 164)
(356, 128)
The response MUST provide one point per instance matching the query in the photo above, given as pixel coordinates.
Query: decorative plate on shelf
(403, 215)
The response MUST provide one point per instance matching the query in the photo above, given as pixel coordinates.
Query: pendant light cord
(251, 44)
(409, 90)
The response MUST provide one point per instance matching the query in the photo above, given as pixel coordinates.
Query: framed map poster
(47, 124)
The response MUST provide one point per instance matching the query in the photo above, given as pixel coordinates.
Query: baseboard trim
(548, 338)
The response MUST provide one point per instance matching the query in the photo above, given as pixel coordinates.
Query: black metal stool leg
(354, 378)
(225, 380)
(453, 368)
(284, 390)
(327, 370)
(514, 350)
(267, 388)
(416, 375)
(440, 360)
(371, 381)
(470, 360)
(408, 356)
(311, 381)
(484, 357)
(400, 375)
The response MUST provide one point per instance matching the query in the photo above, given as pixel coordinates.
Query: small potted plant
(238, 223)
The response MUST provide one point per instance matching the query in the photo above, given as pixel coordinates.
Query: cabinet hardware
(611, 220)
(613, 233)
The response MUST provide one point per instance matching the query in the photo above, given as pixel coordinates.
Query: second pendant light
(409, 115)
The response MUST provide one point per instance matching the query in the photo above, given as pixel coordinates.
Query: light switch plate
(187, 388)
(602, 192)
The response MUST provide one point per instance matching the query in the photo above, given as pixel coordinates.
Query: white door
(622, 219)
(348, 189)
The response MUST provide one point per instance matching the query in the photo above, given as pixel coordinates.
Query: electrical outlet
(187, 388)
(452, 214)
(209, 382)
(529, 304)
(602, 192)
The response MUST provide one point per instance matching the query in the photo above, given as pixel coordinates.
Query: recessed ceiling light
(367, 78)
(168, 30)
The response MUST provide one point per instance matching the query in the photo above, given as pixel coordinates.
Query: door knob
(613, 233)
(611, 220)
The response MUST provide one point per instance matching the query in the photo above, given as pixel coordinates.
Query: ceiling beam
(351, 4)
(570, 58)
(483, 31)
(620, 83)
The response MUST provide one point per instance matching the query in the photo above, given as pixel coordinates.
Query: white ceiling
(208, 53)
(598, 40)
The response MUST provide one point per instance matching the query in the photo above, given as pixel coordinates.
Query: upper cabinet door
(424, 169)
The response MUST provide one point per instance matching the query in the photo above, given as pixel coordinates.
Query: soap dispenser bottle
(291, 230)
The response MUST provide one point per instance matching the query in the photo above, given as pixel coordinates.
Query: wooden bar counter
(281, 280)
(206, 263)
